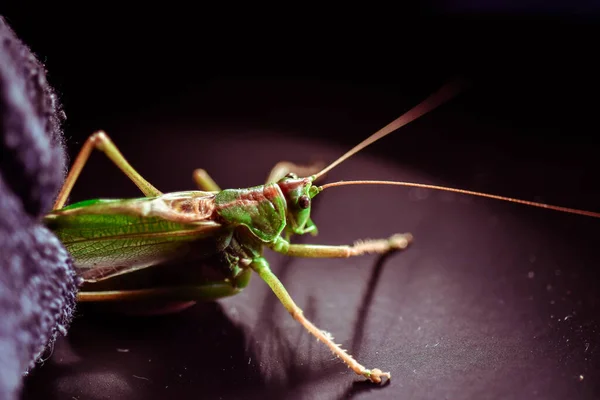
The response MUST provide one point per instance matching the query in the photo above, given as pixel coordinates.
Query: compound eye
(304, 201)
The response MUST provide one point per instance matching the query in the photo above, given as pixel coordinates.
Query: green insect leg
(204, 181)
(204, 292)
(101, 141)
(283, 168)
(371, 246)
(261, 266)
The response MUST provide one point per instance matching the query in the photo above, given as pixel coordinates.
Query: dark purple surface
(492, 300)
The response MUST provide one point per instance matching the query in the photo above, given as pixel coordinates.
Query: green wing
(112, 237)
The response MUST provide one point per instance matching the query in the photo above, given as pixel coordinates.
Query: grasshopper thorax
(298, 193)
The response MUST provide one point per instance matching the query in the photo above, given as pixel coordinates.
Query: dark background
(533, 74)
(178, 92)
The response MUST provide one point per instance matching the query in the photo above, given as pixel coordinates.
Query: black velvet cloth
(37, 280)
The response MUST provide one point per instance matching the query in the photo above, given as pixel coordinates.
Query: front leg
(372, 246)
(261, 267)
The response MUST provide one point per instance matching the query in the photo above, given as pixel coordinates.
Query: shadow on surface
(362, 387)
(365, 305)
(197, 351)
(282, 353)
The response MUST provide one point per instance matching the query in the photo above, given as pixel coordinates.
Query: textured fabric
(37, 281)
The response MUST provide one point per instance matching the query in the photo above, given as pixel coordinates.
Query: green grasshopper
(113, 242)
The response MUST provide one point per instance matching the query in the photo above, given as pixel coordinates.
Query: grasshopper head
(298, 194)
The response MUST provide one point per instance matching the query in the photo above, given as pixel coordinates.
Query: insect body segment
(262, 209)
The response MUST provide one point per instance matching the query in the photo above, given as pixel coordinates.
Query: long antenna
(447, 92)
(469, 192)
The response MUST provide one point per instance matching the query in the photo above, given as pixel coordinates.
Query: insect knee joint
(98, 138)
(296, 313)
(281, 245)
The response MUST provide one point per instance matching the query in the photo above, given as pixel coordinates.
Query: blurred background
(533, 73)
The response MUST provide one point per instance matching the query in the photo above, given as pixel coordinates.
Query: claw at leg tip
(376, 375)
(401, 240)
